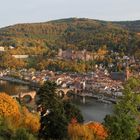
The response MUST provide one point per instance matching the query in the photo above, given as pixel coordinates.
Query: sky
(28, 11)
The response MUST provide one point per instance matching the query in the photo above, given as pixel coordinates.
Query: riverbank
(19, 81)
(14, 80)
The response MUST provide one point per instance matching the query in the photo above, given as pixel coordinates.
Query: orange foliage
(30, 121)
(98, 130)
(9, 107)
(102, 51)
(91, 131)
(9, 110)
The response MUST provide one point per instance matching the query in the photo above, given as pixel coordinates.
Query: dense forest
(130, 25)
(74, 33)
(43, 40)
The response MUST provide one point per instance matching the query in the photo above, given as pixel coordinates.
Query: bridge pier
(83, 99)
(75, 96)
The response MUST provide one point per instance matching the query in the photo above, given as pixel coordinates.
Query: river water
(13, 88)
(92, 110)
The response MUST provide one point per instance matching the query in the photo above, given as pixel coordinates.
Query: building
(75, 55)
(2, 49)
(20, 56)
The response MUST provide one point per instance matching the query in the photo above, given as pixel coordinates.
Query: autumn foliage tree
(98, 130)
(91, 131)
(79, 132)
(9, 108)
(30, 121)
(14, 117)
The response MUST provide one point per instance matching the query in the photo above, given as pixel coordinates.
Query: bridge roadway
(68, 92)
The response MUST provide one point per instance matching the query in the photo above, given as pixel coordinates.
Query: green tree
(122, 125)
(53, 120)
(72, 112)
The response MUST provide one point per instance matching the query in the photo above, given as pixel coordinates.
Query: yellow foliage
(102, 51)
(15, 117)
(91, 131)
(9, 107)
(30, 121)
(79, 132)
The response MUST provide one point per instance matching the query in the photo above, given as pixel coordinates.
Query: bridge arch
(32, 94)
(27, 98)
(61, 94)
(70, 93)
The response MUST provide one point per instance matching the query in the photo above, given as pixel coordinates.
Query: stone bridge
(31, 94)
(61, 92)
(65, 92)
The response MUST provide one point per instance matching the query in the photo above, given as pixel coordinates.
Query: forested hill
(72, 33)
(130, 25)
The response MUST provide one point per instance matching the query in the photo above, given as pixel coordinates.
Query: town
(70, 70)
(99, 82)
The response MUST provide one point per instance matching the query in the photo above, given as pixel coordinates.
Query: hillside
(70, 33)
(130, 25)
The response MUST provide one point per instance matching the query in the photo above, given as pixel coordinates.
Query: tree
(91, 131)
(53, 119)
(15, 118)
(9, 108)
(121, 127)
(79, 132)
(72, 111)
(123, 123)
(30, 121)
(98, 130)
(8, 61)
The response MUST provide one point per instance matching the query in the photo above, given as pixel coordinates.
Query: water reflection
(12, 88)
(94, 110)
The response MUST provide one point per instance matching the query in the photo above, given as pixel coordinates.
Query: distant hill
(130, 25)
(73, 33)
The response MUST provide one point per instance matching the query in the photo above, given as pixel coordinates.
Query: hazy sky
(21, 11)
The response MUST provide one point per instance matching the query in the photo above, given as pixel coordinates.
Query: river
(92, 110)
(13, 88)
